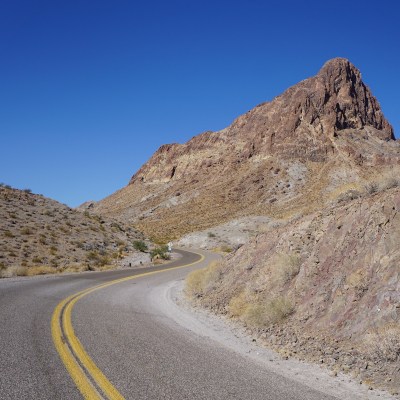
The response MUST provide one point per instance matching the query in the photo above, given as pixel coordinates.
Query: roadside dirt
(171, 301)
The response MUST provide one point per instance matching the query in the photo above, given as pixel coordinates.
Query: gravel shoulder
(170, 300)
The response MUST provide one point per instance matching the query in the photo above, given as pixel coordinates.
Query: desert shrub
(194, 283)
(37, 260)
(8, 234)
(348, 195)
(117, 227)
(140, 245)
(383, 344)
(390, 182)
(238, 305)
(92, 255)
(226, 249)
(14, 271)
(371, 187)
(268, 313)
(26, 231)
(103, 260)
(160, 252)
(211, 235)
(42, 239)
(27, 190)
(288, 267)
(200, 281)
(41, 270)
(98, 259)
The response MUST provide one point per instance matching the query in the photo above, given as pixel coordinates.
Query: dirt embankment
(325, 288)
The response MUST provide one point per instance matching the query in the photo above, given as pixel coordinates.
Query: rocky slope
(286, 157)
(39, 235)
(324, 287)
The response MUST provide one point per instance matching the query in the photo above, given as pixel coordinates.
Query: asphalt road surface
(118, 343)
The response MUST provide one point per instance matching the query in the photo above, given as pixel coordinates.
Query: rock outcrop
(324, 287)
(285, 157)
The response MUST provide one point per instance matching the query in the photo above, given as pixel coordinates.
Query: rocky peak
(283, 157)
(345, 100)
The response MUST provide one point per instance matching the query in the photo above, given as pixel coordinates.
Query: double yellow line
(88, 378)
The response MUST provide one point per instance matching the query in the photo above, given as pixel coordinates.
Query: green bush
(140, 245)
(160, 252)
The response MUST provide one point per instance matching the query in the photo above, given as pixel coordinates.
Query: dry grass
(224, 249)
(238, 305)
(41, 270)
(383, 343)
(12, 271)
(287, 266)
(200, 281)
(346, 192)
(260, 312)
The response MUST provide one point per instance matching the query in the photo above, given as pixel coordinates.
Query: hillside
(290, 156)
(39, 235)
(325, 287)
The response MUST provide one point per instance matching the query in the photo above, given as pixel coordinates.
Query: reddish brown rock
(321, 135)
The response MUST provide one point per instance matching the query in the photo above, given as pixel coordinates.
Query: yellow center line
(71, 351)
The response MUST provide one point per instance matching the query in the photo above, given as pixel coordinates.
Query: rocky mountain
(39, 235)
(287, 157)
(324, 287)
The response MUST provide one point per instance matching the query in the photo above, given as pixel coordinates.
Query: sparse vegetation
(258, 312)
(26, 231)
(211, 235)
(140, 245)
(288, 266)
(348, 196)
(268, 313)
(160, 252)
(200, 281)
(98, 259)
(390, 182)
(371, 188)
(383, 344)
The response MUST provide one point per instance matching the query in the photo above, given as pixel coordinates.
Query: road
(134, 350)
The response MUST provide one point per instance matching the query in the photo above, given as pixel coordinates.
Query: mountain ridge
(273, 155)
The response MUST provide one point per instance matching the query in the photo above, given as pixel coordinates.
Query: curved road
(129, 341)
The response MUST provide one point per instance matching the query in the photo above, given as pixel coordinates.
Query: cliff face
(288, 156)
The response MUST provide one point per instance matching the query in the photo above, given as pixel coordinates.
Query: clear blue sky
(90, 89)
